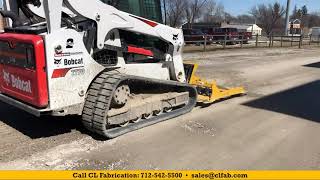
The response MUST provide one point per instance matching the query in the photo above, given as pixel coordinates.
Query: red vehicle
(219, 34)
(196, 36)
(246, 36)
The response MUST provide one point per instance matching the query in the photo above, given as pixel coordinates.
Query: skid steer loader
(74, 57)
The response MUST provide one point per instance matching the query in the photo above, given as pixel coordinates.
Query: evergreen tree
(304, 10)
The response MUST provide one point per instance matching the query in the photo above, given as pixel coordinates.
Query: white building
(295, 28)
(255, 29)
(1, 24)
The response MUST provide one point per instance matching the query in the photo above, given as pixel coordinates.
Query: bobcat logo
(175, 37)
(6, 78)
(57, 61)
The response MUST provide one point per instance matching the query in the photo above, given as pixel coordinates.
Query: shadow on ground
(313, 65)
(302, 102)
(35, 127)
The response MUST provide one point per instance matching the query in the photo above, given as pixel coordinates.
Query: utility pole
(287, 17)
(165, 11)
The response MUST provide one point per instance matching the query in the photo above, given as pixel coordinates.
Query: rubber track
(99, 99)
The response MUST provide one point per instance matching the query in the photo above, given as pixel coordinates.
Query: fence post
(300, 42)
(272, 39)
(257, 39)
(225, 41)
(281, 41)
(269, 40)
(310, 40)
(205, 43)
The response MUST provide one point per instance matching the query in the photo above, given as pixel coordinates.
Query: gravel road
(273, 127)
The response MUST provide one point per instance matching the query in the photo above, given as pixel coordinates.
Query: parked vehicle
(245, 36)
(196, 36)
(232, 35)
(315, 33)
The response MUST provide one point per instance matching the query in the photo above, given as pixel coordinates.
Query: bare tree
(194, 9)
(213, 12)
(246, 19)
(313, 20)
(228, 18)
(175, 12)
(210, 11)
(164, 11)
(268, 15)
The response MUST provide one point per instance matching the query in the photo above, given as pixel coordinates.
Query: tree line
(270, 17)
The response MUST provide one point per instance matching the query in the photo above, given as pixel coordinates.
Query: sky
(237, 7)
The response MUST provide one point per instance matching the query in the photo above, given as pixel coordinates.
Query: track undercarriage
(111, 109)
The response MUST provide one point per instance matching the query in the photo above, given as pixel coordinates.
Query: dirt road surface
(276, 126)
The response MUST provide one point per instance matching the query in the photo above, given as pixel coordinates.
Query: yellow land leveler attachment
(209, 92)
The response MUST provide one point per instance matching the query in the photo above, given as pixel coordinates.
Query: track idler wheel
(121, 95)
